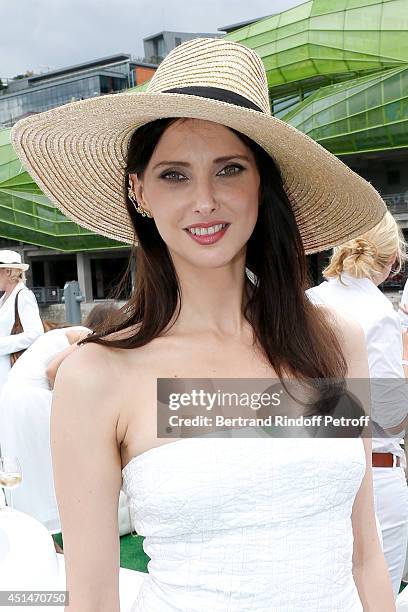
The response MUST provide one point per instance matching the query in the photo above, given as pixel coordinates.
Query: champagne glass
(10, 475)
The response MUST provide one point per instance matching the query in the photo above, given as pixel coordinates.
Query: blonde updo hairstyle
(368, 255)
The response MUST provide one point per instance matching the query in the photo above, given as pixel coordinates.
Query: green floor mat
(132, 555)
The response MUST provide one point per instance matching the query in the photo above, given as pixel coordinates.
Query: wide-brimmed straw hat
(76, 153)
(12, 259)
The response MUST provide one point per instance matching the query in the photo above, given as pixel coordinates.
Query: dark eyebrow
(186, 164)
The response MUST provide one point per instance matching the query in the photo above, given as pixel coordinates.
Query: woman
(237, 524)
(12, 282)
(355, 270)
(25, 405)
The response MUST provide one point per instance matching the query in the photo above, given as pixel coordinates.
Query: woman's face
(4, 278)
(8, 276)
(381, 277)
(202, 188)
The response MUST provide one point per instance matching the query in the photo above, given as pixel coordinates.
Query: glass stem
(5, 497)
(11, 499)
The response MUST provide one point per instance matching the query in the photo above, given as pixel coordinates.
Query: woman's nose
(205, 200)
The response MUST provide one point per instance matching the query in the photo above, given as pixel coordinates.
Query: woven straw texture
(76, 153)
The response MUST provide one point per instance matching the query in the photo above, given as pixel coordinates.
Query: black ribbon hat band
(216, 93)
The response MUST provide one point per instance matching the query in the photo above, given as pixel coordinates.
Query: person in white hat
(209, 184)
(12, 283)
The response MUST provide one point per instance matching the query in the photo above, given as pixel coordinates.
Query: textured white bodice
(247, 524)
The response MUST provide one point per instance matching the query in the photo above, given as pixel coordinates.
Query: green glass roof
(361, 115)
(27, 215)
(327, 38)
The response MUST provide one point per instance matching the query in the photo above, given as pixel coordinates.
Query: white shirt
(360, 299)
(404, 300)
(30, 320)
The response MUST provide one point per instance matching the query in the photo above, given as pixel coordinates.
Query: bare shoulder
(105, 366)
(90, 368)
(134, 357)
(352, 340)
(123, 334)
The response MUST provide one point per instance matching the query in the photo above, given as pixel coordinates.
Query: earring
(132, 198)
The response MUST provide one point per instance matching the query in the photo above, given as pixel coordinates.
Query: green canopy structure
(26, 214)
(324, 40)
(365, 114)
(337, 70)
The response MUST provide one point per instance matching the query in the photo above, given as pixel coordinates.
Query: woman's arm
(31, 322)
(54, 364)
(369, 567)
(87, 473)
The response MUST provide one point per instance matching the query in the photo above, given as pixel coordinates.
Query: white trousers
(391, 507)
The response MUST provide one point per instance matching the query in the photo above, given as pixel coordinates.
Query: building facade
(37, 93)
(157, 46)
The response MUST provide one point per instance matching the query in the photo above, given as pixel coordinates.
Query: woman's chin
(205, 260)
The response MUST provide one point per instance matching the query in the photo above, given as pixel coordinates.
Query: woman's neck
(9, 288)
(212, 301)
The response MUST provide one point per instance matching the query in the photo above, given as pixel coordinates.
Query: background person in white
(403, 307)
(25, 407)
(354, 271)
(12, 281)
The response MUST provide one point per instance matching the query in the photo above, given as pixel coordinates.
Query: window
(159, 47)
(393, 177)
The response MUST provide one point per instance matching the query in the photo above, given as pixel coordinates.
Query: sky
(48, 34)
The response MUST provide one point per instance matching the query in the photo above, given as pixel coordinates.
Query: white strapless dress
(247, 524)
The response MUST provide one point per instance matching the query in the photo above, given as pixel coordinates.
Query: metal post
(72, 299)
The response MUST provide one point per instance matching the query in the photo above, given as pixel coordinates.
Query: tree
(28, 73)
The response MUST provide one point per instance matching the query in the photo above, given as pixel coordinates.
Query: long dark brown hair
(295, 335)
(101, 316)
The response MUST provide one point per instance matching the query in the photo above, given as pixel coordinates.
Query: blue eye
(231, 170)
(167, 176)
(172, 175)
